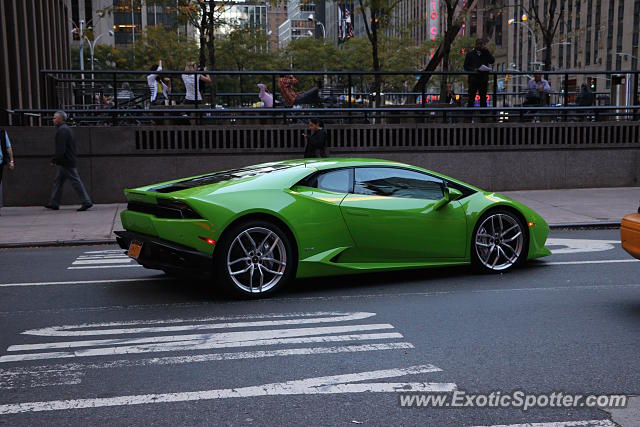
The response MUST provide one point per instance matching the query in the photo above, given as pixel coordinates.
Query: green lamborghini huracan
(259, 227)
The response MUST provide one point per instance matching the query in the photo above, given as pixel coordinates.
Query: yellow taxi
(630, 234)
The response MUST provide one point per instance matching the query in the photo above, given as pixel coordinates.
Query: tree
(376, 16)
(243, 49)
(546, 16)
(454, 21)
(156, 43)
(206, 16)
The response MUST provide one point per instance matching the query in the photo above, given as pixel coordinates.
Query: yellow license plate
(134, 249)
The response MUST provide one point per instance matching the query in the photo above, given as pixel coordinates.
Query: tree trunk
(212, 50)
(376, 65)
(548, 42)
(446, 51)
(450, 35)
(202, 60)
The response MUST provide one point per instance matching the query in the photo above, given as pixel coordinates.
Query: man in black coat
(477, 63)
(65, 161)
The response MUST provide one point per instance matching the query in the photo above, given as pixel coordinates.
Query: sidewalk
(34, 226)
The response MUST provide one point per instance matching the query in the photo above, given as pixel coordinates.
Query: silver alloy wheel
(256, 260)
(499, 241)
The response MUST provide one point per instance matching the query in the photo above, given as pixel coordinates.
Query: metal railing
(101, 100)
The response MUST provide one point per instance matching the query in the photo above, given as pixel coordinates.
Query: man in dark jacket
(317, 142)
(65, 161)
(477, 63)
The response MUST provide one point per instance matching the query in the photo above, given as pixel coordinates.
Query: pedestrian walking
(477, 62)
(65, 161)
(317, 141)
(6, 156)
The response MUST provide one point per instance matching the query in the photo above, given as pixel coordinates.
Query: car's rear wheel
(499, 241)
(255, 259)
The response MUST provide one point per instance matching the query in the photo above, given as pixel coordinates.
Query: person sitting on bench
(538, 91)
(291, 97)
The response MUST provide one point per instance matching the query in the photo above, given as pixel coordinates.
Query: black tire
(279, 259)
(496, 246)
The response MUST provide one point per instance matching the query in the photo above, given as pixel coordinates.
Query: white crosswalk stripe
(585, 423)
(334, 384)
(113, 258)
(203, 340)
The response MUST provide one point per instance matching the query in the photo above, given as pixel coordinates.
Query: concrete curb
(57, 243)
(604, 225)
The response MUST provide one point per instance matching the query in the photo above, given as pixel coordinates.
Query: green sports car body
(259, 227)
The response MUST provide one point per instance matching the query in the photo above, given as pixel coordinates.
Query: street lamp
(92, 46)
(318, 23)
(626, 56)
(524, 18)
(324, 37)
(79, 29)
(91, 49)
(555, 44)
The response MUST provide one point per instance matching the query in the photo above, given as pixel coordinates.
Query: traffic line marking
(104, 266)
(586, 423)
(335, 384)
(194, 345)
(605, 261)
(108, 251)
(126, 260)
(174, 325)
(85, 282)
(102, 259)
(135, 337)
(72, 373)
(574, 246)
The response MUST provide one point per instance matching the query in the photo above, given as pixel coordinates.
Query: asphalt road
(110, 343)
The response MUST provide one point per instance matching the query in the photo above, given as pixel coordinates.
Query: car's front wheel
(499, 241)
(255, 259)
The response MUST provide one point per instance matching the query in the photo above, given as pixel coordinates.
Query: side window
(392, 182)
(339, 181)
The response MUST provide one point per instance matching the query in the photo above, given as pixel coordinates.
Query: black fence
(123, 98)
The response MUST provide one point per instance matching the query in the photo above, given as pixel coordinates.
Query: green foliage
(157, 43)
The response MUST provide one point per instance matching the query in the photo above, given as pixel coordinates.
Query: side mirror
(454, 194)
(445, 199)
(450, 194)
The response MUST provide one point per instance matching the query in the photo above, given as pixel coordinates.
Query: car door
(316, 215)
(396, 214)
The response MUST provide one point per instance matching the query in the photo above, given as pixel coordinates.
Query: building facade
(593, 35)
(34, 36)
(276, 16)
(300, 22)
(421, 19)
(244, 14)
(127, 19)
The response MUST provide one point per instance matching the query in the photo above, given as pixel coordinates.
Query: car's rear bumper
(630, 234)
(162, 254)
